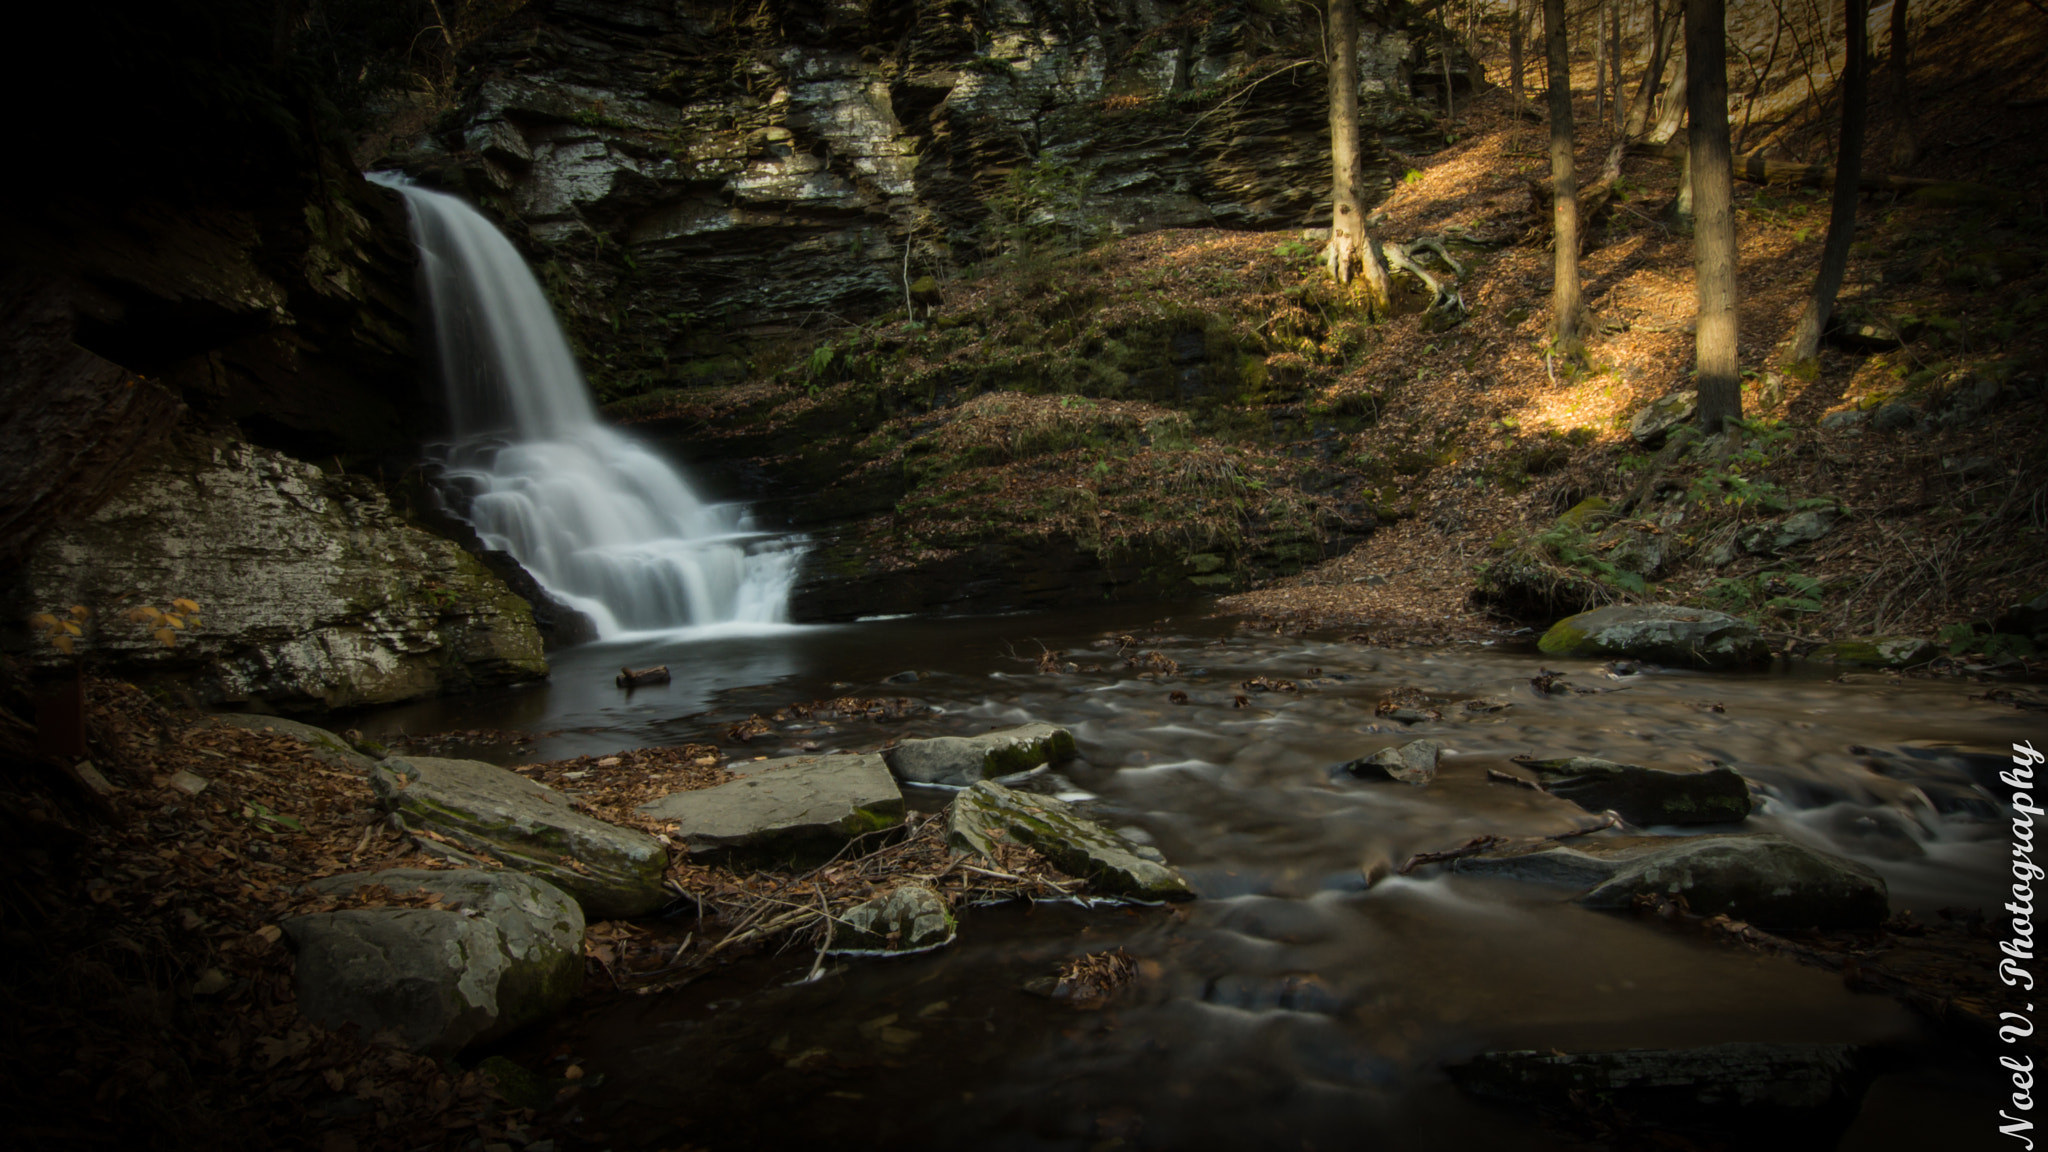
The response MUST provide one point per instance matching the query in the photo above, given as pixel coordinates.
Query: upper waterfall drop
(599, 519)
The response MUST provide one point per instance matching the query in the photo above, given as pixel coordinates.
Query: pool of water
(1311, 996)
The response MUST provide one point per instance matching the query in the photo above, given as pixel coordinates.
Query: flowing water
(1295, 1004)
(600, 520)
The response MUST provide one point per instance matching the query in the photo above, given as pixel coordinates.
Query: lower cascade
(602, 521)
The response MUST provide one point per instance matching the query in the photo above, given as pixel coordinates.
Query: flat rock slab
(913, 918)
(491, 812)
(1663, 1082)
(1665, 633)
(1877, 652)
(796, 803)
(1410, 763)
(958, 761)
(1764, 878)
(1645, 796)
(505, 952)
(1075, 845)
(323, 745)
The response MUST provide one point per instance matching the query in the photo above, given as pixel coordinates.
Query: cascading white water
(601, 521)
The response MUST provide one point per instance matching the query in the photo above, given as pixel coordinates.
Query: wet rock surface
(794, 804)
(1665, 633)
(501, 950)
(913, 918)
(476, 810)
(959, 761)
(1761, 878)
(1645, 796)
(1078, 846)
(1682, 1083)
(1410, 763)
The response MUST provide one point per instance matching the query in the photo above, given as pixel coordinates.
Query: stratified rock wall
(313, 592)
(689, 175)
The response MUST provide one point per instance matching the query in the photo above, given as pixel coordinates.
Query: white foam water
(602, 521)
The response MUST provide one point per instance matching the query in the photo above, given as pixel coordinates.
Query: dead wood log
(640, 678)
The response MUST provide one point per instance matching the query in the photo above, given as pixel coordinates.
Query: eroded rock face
(958, 761)
(482, 811)
(696, 145)
(505, 952)
(313, 592)
(1665, 633)
(1078, 846)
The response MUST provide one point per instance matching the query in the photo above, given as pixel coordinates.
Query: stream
(1295, 1004)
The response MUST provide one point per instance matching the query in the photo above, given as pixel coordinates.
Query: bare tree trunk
(1834, 256)
(1719, 374)
(1515, 67)
(1671, 111)
(1565, 302)
(1661, 28)
(1351, 249)
(1906, 133)
(1600, 67)
(1615, 106)
(1443, 25)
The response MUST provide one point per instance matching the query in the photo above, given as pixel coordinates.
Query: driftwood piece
(640, 678)
(1490, 842)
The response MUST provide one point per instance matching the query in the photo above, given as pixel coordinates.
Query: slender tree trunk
(1443, 25)
(1564, 180)
(1351, 248)
(1600, 68)
(1719, 374)
(1834, 256)
(1515, 65)
(1906, 133)
(1661, 29)
(1614, 54)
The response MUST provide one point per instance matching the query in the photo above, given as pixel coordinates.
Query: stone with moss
(1877, 652)
(500, 951)
(1076, 845)
(477, 811)
(792, 808)
(958, 761)
(1663, 633)
(912, 918)
(1585, 515)
(1655, 420)
(1645, 796)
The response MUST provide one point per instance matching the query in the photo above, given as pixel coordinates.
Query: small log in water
(629, 678)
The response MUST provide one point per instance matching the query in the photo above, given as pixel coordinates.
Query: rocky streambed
(1468, 892)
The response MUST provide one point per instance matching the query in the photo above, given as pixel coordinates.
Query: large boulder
(1075, 844)
(482, 810)
(1762, 878)
(958, 761)
(1645, 796)
(354, 606)
(504, 950)
(797, 805)
(1665, 633)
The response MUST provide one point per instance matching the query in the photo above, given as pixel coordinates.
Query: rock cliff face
(692, 179)
(313, 592)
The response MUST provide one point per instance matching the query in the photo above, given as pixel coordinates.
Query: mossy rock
(1665, 633)
(1586, 514)
(1877, 652)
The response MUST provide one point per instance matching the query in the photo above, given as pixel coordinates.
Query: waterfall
(598, 518)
